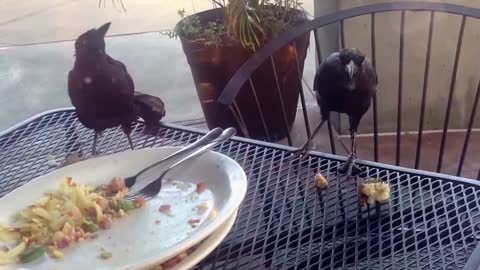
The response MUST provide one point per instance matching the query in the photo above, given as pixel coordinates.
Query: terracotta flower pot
(212, 67)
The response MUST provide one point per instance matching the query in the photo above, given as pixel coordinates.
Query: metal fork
(209, 137)
(151, 190)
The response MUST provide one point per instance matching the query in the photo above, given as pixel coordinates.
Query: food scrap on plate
(166, 209)
(61, 218)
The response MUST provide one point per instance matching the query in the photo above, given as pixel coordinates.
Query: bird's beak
(351, 69)
(103, 29)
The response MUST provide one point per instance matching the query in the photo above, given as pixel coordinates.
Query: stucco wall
(444, 43)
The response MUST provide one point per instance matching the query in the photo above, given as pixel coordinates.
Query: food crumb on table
(320, 181)
(373, 191)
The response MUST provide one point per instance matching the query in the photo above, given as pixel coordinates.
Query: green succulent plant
(254, 21)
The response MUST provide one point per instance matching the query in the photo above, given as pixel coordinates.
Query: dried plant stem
(115, 3)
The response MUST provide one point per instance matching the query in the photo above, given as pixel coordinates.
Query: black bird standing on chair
(345, 83)
(103, 92)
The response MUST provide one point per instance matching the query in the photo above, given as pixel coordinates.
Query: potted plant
(217, 42)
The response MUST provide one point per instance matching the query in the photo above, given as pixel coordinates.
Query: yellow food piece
(7, 234)
(41, 212)
(320, 181)
(9, 257)
(213, 214)
(99, 211)
(5, 259)
(57, 254)
(374, 191)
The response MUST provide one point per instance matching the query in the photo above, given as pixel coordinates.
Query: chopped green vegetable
(114, 205)
(126, 205)
(31, 254)
(90, 226)
(106, 255)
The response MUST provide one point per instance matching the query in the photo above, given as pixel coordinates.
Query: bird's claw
(95, 153)
(349, 168)
(301, 154)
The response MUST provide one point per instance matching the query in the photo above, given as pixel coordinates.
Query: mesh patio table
(432, 221)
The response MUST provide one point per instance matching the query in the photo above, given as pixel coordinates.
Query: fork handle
(153, 188)
(207, 138)
(226, 134)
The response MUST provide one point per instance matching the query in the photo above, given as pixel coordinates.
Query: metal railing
(265, 54)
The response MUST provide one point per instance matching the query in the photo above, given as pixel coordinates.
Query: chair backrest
(402, 110)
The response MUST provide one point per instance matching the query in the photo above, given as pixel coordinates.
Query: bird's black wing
(124, 68)
(371, 73)
(81, 99)
(326, 80)
(325, 71)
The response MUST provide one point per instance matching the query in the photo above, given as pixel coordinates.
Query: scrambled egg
(373, 191)
(72, 214)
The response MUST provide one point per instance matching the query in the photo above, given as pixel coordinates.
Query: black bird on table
(102, 91)
(345, 82)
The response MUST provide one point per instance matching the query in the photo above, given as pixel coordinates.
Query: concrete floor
(34, 64)
(34, 77)
(431, 142)
(25, 22)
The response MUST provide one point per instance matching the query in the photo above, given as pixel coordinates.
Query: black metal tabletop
(432, 221)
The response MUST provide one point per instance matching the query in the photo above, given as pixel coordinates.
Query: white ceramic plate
(137, 241)
(207, 245)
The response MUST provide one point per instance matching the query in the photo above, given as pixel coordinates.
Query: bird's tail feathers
(151, 109)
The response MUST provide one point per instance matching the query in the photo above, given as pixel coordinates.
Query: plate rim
(204, 249)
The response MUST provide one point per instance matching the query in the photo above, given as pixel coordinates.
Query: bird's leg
(129, 140)
(350, 168)
(95, 138)
(306, 146)
(127, 131)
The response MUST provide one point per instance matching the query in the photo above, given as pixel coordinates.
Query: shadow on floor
(430, 151)
(387, 147)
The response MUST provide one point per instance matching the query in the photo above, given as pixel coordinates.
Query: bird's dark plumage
(100, 87)
(151, 109)
(345, 83)
(336, 91)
